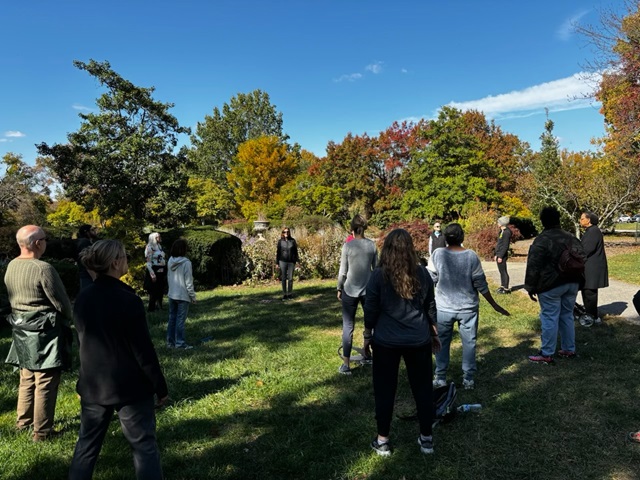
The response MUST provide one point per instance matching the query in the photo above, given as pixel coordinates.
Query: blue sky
(330, 67)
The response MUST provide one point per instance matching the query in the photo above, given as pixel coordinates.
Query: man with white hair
(40, 319)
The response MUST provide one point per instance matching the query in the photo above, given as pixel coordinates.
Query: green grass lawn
(263, 400)
(625, 267)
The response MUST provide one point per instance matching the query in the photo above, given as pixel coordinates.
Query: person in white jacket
(181, 294)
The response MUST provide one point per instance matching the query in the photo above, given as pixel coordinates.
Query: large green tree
(452, 173)
(124, 158)
(216, 139)
(24, 191)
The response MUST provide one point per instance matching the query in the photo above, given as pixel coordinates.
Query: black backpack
(572, 258)
(444, 403)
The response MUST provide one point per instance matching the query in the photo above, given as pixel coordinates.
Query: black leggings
(386, 363)
(156, 289)
(504, 275)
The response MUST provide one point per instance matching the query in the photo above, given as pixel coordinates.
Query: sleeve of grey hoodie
(188, 280)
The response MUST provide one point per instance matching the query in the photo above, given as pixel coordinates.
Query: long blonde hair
(399, 263)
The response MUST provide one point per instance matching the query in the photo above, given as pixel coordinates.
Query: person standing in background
(596, 269)
(155, 279)
(286, 259)
(87, 234)
(357, 261)
(41, 332)
(181, 294)
(436, 239)
(501, 254)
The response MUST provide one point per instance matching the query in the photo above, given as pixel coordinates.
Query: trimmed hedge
(216, 256)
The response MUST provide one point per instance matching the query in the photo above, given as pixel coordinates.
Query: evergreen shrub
(216, 256)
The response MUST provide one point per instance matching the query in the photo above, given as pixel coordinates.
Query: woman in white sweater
(181, 294)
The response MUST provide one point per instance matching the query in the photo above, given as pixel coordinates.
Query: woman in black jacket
(119, 368)
(596, 272)
(286, 259)
(400, 322)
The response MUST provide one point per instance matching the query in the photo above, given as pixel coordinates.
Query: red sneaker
(539, 358)
(566, 354)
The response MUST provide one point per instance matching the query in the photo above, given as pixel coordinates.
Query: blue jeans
(468, 328)
(286, 274)
(138, 423)
(349, 308)
(556, 315)
(178, 310)
(385, 382)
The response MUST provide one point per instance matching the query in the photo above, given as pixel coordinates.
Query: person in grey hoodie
(181, 294)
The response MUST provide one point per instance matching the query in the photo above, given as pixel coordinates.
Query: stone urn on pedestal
(260, 225)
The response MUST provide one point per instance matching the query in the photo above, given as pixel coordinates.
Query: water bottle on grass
(470, 407)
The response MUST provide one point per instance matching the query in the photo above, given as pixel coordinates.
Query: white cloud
(3, 140)
(568, 27)
(76, 106)
(14, 134)
(374, 68)
(404, 70)
(568, 93)
(352, 77)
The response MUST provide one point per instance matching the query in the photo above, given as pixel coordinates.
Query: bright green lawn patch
(625, 267)
(263, 400)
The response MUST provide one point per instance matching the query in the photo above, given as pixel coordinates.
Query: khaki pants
(37, 397)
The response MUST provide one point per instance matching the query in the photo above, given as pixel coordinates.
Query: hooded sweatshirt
(180, 279)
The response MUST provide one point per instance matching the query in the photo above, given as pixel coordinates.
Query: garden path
(615, 300)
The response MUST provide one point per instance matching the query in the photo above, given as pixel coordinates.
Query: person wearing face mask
(436, 239)
(286, 259)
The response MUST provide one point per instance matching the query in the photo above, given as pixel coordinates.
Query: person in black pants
(119, 368)
(286, 259)
(502, 253)
(596, 270)
(400, 322)
(155, 280)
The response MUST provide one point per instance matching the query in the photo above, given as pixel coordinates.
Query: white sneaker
(439, 382)
(468, 384)
(597, 321)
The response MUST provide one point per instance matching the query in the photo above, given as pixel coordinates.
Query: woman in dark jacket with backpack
(400, 322)
(286, 259)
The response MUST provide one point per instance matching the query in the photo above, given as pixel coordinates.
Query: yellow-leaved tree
(259, 171)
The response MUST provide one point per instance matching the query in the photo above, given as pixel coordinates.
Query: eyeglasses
(285, 231)
(436, 226)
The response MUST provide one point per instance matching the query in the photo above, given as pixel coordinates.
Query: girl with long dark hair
(400, 322)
